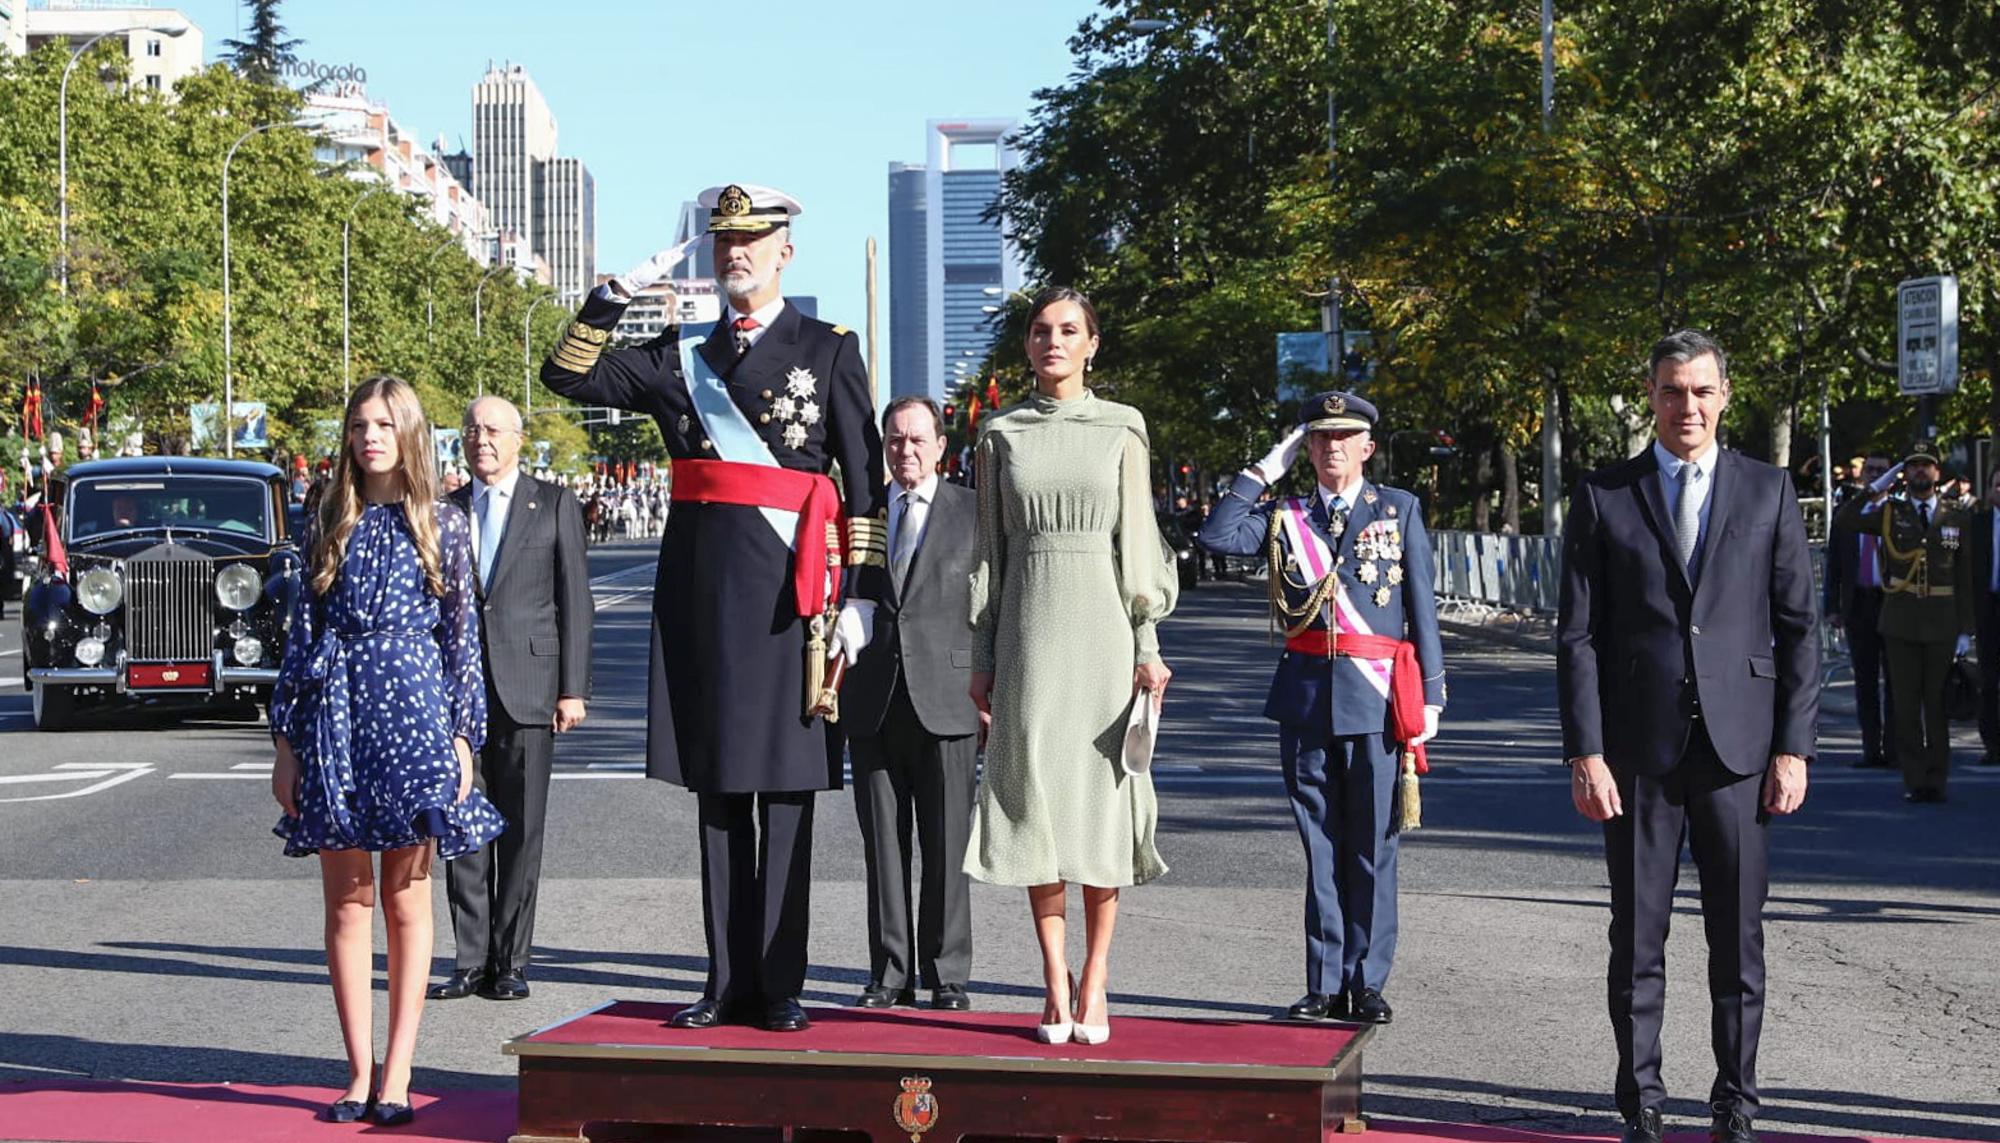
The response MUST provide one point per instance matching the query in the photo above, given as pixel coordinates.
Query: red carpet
(905, 1031)
(83, 1111)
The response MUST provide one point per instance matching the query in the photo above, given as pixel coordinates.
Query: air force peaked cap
(1335, 410)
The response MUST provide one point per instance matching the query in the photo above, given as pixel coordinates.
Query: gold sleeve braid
(868, 541)
(580, 347)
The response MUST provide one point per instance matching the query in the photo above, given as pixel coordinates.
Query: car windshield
(214, 503)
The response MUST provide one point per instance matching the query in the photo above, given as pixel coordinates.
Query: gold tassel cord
(1409, 799)
(1296, 620)
(815, 663)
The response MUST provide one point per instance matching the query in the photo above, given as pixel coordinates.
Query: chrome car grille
(169, 609)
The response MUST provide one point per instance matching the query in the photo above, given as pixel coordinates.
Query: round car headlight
(248, 651)
(238, 586)
(90, 651)
(100, 591)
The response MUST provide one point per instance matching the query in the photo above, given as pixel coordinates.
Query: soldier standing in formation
(1927, 614)
(1361, 683)
(754, 411)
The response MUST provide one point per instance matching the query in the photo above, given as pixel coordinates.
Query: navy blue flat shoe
(348, 1110)
(394, 1114)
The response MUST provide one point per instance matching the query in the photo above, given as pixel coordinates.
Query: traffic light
(950, 413)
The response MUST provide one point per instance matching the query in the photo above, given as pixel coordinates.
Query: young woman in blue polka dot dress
(379, 709)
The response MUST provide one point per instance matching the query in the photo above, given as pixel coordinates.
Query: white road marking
(264, 766)
(560, 774)
(118, 773)
(223, 777)
(617, 766)
(645, 572)
(11, 680)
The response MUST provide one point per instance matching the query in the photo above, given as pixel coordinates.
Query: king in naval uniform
(1357, 692)
(766, 569)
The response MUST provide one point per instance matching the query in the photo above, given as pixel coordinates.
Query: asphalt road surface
(150, 928)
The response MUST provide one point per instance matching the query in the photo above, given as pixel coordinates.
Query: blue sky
(664, 97)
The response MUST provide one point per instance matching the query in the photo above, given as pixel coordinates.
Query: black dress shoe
(462, 982)
(1318, 1006)
(703, 1013)
(1643, 1128)
(507, 984)
(950, 998)
(785, 1016)
(1730, 1125)
(394, 1114)
(348, 1110)
(882, 996)
(1874, 762)
(1366, 1006)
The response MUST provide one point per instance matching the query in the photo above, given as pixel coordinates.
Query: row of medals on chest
(1378, 555)
(795, 412)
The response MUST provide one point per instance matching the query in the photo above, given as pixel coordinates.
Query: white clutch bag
(1142, 732)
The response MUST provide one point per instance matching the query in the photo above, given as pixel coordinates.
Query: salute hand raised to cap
(1280, 457)
(655, 269)
(1886, 481)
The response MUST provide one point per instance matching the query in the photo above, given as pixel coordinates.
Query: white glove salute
(854, 627)
(1963, 648)
(655, 269)
(1885, 481)
(1280, 458)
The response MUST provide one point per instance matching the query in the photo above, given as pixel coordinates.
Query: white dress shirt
(912, 510)
(1349, 496)
(764, 314)
(504, 489)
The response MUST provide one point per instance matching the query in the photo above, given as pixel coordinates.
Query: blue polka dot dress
(378, 677)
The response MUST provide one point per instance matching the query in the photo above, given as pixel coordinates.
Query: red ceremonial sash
(1406, 683)
(822, 530)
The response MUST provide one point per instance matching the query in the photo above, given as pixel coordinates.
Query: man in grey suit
(910, 723)
(535, 622)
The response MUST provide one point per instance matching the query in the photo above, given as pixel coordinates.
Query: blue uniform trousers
(1343, 790)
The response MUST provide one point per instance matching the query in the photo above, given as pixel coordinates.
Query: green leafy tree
(262, 57)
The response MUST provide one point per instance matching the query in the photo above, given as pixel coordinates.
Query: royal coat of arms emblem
(916, 1109)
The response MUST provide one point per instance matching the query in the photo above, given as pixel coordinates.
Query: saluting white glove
(1280, 457)
(1887, 480)
(655, 269)
(1963, 648)
(854, 627)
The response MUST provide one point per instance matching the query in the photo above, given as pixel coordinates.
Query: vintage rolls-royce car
(172, 584)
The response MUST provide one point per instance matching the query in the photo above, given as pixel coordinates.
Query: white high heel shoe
(1094, 1033)
(1061, 1031)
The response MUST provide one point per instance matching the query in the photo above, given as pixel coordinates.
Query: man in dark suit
(1853, 603)
(910, 723)
(536, 617)
(753, 589)
(1688, 664)
(1985, 544)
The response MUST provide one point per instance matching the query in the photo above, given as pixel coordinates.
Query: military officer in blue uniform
(766, 568)
(1358, 689)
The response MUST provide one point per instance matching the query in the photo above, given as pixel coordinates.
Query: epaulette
(841, 331)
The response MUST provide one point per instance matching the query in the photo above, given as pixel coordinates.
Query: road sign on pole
(1927, 336)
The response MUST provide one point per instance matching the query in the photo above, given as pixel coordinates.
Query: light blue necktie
(489, 535)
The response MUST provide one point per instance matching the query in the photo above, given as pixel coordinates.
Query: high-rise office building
(513, 133)
(566, 225)
(700, 267)
(968, 262)
(909, 314)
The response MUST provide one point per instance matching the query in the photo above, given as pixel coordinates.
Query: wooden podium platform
(923, 1076)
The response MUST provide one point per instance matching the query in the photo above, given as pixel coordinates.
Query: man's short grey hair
(914, 401)
(1683, 346)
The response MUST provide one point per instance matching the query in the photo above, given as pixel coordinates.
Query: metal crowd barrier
(1483, 577)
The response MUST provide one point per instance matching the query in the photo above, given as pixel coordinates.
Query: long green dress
(1068, 583)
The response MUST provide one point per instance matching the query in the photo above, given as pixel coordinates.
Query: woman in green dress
(1069, 582)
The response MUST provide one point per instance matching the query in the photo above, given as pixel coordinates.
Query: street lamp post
(479, 316)
(527, 362)
(228, 342)
(346, 293)
(62, 143)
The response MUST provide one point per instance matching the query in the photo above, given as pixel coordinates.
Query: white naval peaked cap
(747, 207)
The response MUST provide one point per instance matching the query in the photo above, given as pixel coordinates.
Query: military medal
(1948, 536)
(1395, 574)
(1365, 573)
(1381, 597)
